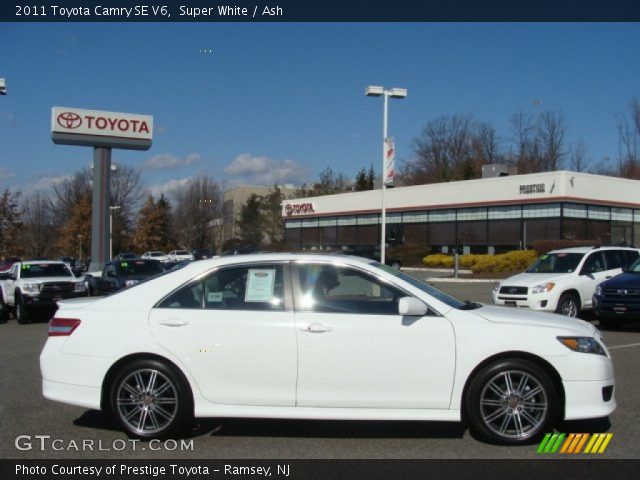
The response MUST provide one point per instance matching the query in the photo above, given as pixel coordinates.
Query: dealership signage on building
(298, 209)
(532, 188)
(75, 126)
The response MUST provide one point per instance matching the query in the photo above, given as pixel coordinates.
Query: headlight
(599, 290)
(130, 283)
(31, 287)
(79, 287)
(496, 286)
(543, 288)
(582, 344)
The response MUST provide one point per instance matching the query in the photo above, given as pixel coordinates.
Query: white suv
(563, 281)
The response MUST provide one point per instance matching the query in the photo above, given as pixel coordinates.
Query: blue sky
(280, 102)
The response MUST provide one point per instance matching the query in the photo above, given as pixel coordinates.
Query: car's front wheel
(22, 314)
(511, 402)
(151, 400)
(568, 305)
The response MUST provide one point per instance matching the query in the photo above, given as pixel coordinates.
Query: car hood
(531, 279)
(624, 280)
(515, 316)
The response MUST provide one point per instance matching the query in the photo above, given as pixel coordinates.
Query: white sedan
(320, 337)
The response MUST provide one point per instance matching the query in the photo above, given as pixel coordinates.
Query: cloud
(47, 182)
(166, 161)
(169, 186)
(265, 171)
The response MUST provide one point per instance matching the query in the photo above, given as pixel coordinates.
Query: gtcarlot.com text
(48, 443)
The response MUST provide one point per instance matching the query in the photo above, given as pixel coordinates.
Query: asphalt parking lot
(25, 412)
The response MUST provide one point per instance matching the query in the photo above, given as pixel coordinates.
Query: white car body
(159, 256)
(517, 291)
(179, 255)
(294, 363)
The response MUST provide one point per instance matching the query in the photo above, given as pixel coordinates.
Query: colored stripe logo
(574, 443)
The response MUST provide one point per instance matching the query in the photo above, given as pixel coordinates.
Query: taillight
(62, 327)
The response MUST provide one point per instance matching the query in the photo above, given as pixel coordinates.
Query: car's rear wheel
(151, 400)
(511, 402)
(569, 305)
(22, 314)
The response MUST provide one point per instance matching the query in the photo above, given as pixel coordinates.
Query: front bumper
(588, 399)
(629, 309)
(546, 302)
(49, 300)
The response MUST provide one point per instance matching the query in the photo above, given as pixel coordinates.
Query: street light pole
(373, 91)
(111, 209)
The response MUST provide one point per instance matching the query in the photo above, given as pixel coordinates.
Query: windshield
(556, 263)
(434, 292)
(35, 270)
(635, 267)
(139, 267)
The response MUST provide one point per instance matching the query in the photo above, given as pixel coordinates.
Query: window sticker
(124, 264)
(214, 297)
(260, 284)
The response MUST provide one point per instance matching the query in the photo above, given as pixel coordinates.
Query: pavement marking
(625, 346)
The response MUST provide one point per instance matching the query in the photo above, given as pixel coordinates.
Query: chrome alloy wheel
(569, 307)
(514, 404)
(147, 401)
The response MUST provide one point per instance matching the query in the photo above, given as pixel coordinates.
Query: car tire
(511, 402)
(609, 323)
(150, 399)
(4, 310)
(569, 305)
(22, 313)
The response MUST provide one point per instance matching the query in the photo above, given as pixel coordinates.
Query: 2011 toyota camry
(320, 337)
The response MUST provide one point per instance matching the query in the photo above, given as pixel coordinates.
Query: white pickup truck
(36, 285)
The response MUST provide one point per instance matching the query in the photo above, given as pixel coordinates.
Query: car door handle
(173, 322)
(317, 328)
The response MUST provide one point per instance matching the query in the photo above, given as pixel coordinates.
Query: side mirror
(411, 306)
(12, 276)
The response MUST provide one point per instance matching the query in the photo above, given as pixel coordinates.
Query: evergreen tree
(250, 222)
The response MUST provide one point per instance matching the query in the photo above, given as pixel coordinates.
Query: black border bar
(328, 11)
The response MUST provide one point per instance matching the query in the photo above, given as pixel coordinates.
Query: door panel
(239, 345)
(374, 359)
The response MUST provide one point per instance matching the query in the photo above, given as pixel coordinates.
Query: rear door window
(614, 258)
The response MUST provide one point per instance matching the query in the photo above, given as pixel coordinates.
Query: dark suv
(617, 300)
(121, 274)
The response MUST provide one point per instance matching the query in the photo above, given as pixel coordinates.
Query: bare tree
(523, 137)
(197, 207)
(629, 142)
(38, 228)
(578, 162)
(552, 128)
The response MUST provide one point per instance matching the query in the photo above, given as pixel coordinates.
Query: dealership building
(488, 215)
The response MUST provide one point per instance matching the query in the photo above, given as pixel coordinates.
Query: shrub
(516, 260)
(438, 260)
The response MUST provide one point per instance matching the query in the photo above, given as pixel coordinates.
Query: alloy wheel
(514, 404)
(147, 401)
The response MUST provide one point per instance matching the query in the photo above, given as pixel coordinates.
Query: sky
(259, 104)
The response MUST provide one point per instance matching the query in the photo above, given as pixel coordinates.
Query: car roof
(43, 262)
(588, 249)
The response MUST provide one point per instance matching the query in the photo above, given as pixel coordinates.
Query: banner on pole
(389, 161)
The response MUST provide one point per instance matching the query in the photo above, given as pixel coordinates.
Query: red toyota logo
(288, 209)
(69, 120)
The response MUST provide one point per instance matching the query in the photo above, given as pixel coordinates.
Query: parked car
(617, 301)
(36, 286)
(156, 255)
(179, 255)
(121, 274)
(321, 337)
(373, 253)
(126, 256)
(202, 253)
(241, 250)
(5, 265)
(563, 281)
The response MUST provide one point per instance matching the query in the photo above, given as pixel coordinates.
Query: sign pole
(100, 207)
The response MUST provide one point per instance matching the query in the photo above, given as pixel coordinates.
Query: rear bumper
(80, 395)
